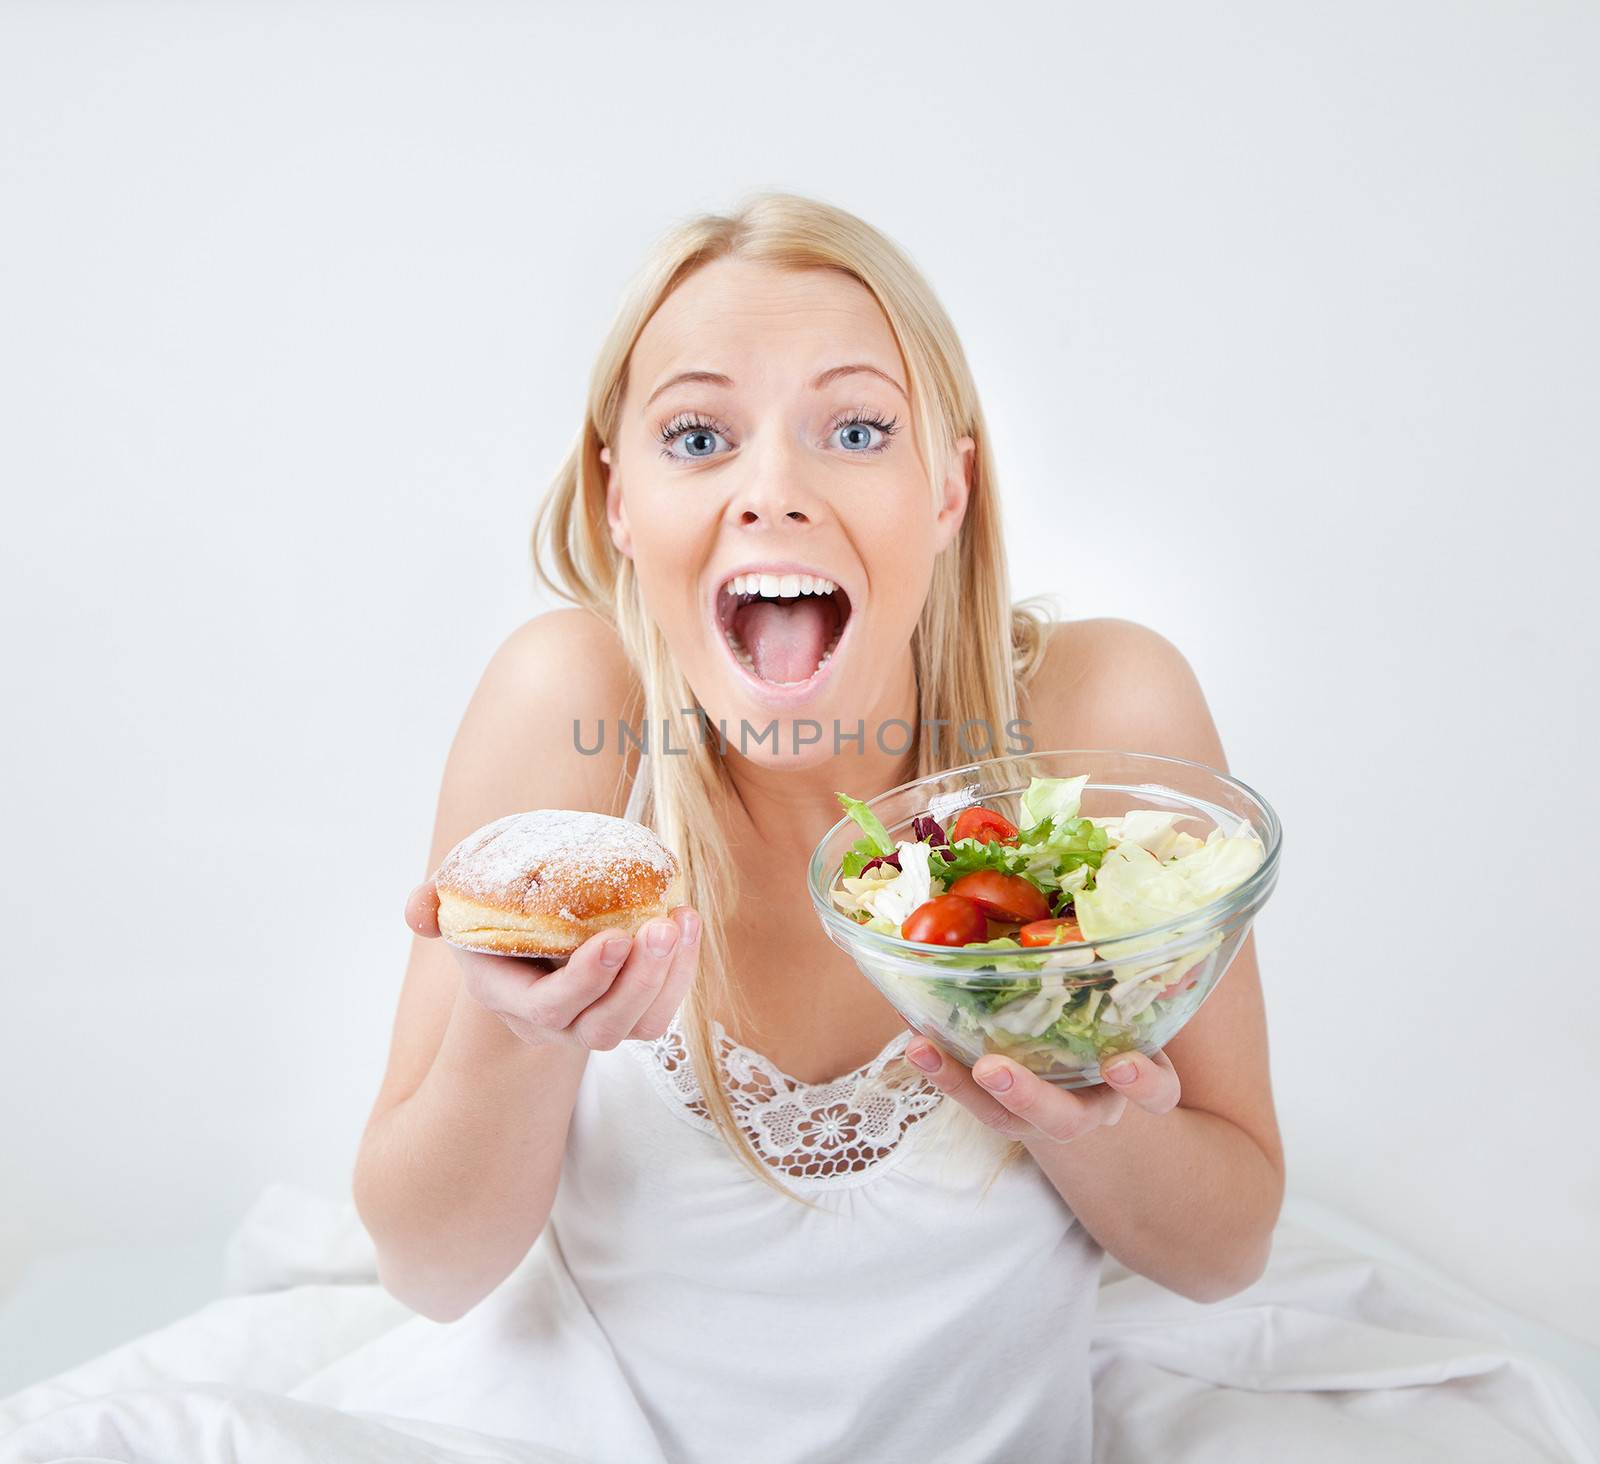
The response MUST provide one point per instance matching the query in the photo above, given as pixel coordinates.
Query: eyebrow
(832, 374)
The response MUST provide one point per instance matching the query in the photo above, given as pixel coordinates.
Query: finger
(1151, 1081)
(500, 983)
(602, 1025)
(538, 992)
(422, 909)
(556, 998)
(1027, 1107)
(954, 1080)
(657, 1017)
(1058, 1114)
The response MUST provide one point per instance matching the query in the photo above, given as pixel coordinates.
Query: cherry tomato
(1060, 930)
(985, 825)
(950, 920)
(1003, 896)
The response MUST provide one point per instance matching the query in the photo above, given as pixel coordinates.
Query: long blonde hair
(972, 648)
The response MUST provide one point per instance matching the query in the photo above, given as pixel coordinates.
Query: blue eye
(693, 428)
(854, 425)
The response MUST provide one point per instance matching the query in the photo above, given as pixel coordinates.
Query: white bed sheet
(1333, 1355)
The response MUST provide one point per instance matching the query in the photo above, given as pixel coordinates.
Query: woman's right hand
(613, 987)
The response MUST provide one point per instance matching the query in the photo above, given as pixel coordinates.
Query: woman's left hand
(1021, 1105)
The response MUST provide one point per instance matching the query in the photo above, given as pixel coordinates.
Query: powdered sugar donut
(541, 883)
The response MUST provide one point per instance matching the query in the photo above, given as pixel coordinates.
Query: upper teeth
(780, 586)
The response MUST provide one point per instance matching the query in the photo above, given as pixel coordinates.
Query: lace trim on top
(819, 1136)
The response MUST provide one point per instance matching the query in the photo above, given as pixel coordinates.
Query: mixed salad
(1041, 896)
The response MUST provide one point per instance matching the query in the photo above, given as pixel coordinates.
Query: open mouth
(782, 628)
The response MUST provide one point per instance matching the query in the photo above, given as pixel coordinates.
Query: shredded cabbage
(1134, 889)
(889, 894)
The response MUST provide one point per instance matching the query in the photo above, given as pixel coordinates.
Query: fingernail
(997, 1079)
(614, 951)
(661, 936)
(691, 925)
(1122, 1072)
(925, 1055)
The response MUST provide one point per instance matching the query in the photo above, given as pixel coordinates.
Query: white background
(1285, 321)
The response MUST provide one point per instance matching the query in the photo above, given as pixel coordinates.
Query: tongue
(785, 639)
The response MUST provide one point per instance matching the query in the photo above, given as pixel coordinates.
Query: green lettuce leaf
(876, 842)
(1053, 798)
(1057, 846)
(857, 857)
(967, 856)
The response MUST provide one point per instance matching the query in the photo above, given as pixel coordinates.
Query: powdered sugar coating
(564, 862)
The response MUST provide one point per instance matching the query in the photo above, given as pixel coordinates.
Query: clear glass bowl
(973, 1002)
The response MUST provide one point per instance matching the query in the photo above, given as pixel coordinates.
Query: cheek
(893, 532)
(669, 546)
(895, 506)
(664, 528)
(660, 522)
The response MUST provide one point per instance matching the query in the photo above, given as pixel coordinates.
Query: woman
(749, 1213)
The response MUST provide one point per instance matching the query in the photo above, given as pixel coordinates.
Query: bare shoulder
(521, 739)
(1110, 682)
(570, 643)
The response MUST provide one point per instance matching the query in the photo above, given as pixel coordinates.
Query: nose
(750, 515)
(772, 497)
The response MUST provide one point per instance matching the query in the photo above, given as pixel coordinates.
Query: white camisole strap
(639, 791)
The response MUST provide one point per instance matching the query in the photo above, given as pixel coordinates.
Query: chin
(798, 734)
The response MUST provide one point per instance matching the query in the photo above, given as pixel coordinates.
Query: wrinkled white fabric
(1331, 1356)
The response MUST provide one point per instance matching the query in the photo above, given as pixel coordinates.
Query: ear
(957, 489)
(616, 514)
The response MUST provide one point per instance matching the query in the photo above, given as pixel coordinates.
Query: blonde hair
(972, 649)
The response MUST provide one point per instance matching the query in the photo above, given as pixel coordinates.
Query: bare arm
(1183, 1185)
(461, 1157)
(1188, 1197)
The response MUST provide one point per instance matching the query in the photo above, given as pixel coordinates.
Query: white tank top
(678, 1309)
